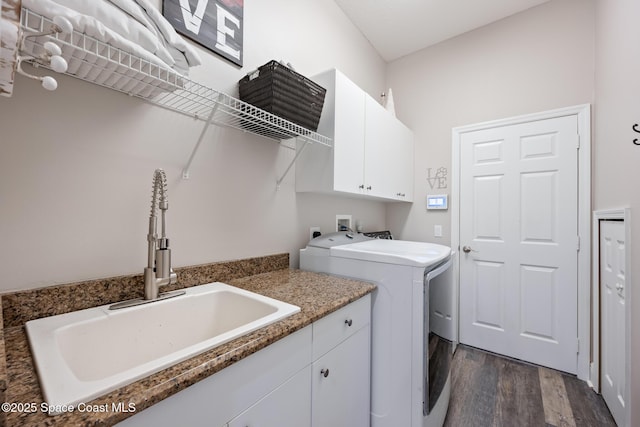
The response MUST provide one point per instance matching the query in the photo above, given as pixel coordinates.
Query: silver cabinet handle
(325, 372)
(369, 187)
(349, 322)
(361, 186)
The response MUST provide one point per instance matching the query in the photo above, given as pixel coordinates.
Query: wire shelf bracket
(299, 151)
(185, 171)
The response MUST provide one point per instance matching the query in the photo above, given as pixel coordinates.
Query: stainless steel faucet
(158, 271)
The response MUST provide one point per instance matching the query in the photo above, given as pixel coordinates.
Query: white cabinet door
(349, 136)
(400, 168)
(288, 405)
(388, 154)
(378, 142)
(341, 384)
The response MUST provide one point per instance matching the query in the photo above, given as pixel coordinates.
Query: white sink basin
(84, 354)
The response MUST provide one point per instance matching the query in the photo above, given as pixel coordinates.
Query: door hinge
(577, 345)
(578, 243)
(578, 142)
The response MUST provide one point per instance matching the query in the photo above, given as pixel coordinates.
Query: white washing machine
(413, 323)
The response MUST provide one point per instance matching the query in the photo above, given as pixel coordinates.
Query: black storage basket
(281, 91)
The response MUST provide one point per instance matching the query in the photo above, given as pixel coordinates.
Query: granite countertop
(316, 294)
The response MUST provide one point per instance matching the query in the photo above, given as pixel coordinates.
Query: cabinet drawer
(331, 330)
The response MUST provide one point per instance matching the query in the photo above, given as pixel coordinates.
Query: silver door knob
(466, 249)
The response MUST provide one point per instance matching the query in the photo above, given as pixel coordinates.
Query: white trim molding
(583, 114)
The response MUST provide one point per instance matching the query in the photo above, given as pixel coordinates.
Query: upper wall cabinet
(372, 155)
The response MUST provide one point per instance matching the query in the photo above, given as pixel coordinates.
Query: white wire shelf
(202, 102)
(97, 62)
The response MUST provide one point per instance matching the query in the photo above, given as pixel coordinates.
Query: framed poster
(214, 24)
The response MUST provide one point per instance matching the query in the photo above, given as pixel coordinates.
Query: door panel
(488, 207)
(538, 193)
(538, 302)
(519, 219)
(489, 293)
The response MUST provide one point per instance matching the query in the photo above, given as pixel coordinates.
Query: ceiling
(397, 28)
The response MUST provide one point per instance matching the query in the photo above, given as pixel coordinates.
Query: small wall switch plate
(437, 230)
(343, 222)
(313, 230)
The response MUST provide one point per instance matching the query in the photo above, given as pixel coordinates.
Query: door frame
(608, 214)
(583, 114)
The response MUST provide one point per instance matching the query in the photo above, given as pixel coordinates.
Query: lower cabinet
(340, 389)
(317, 377)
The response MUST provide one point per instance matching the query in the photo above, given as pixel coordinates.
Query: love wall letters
(214, 24)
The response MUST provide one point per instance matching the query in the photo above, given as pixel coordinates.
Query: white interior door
(519, 235)
(612, 311)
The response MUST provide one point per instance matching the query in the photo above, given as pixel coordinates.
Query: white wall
(76, 164)
(537, 60)
(616, 158)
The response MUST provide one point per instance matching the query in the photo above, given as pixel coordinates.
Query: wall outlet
(313, 230)
(437, 230)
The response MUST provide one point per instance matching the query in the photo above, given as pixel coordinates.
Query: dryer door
(438, 332)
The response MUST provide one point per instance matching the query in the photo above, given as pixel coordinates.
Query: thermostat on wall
(437, 201)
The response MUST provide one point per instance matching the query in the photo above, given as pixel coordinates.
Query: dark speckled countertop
(316, 294)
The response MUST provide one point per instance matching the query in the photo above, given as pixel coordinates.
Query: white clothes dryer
(412, 327)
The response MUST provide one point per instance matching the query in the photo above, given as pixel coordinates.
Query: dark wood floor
(489, 390)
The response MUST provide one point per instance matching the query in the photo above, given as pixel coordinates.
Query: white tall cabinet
(372, 153)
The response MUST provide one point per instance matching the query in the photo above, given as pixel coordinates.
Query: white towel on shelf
(9, 36)
(169, 34)
(125, 24)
